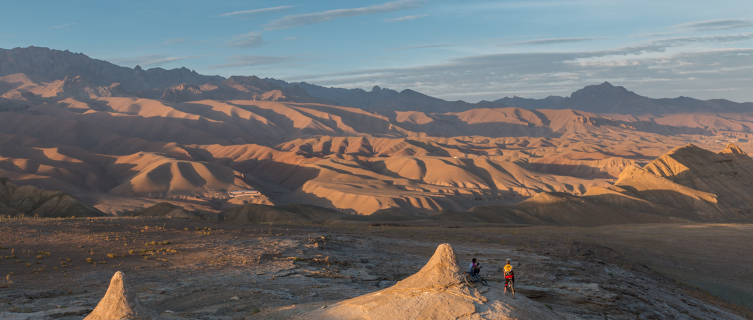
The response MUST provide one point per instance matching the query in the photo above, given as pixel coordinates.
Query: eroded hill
(187, 139)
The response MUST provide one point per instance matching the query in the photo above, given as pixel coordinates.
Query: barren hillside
(194, 142)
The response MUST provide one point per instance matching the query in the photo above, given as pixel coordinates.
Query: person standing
(509, 275)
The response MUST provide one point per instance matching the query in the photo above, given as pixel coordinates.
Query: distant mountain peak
(49, 65)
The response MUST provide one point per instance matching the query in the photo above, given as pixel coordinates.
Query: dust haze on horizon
(455, 50)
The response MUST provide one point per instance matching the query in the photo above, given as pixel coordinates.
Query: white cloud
(255, 11)
(551, 41)
(438, 45)
(650, 68)
(406, 18)
(716, 25)
(251, 39)
(257, 60)
(153, 60)
(319, 17)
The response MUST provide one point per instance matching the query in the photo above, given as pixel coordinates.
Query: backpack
(508, 270)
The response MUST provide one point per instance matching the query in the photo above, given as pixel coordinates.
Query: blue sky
(469, 50)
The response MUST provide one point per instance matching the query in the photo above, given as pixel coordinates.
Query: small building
(243, 193)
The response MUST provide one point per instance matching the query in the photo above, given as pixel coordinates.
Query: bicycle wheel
(469, 281)
(482, 280)
(512, 289)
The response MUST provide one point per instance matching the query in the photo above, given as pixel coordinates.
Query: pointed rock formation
(437, 291)
(441, 272)
(121, 303)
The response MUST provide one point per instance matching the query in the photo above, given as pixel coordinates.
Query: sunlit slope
(688, 183)
(154, 175)
(427, 184)
(69, 137)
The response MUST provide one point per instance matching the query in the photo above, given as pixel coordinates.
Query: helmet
(508, 260)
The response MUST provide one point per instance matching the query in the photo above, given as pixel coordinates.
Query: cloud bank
(716, 25)
(248, 40)
(255, 11)
(406, 18)
(319, 17)
(698, 72)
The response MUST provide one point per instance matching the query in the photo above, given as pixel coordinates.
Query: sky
(467, 50)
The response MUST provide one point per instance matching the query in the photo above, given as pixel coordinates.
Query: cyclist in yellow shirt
(509, 277)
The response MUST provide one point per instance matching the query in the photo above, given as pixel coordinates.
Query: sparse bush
(90, 260)
(39, 256)
(112, 255)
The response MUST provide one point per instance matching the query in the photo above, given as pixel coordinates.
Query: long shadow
(571, 170)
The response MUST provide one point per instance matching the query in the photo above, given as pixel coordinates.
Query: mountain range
(71, 123)
(181, 85)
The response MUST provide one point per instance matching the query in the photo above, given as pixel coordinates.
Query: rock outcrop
(437, 291)
(121, 303)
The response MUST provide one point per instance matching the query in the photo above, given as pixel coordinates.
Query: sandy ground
(715, 257)
(182, 269)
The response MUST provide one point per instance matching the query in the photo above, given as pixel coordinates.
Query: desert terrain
(187, 268)
(255, 198)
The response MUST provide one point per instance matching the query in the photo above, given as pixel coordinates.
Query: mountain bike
(472, 278)
(511, 286)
